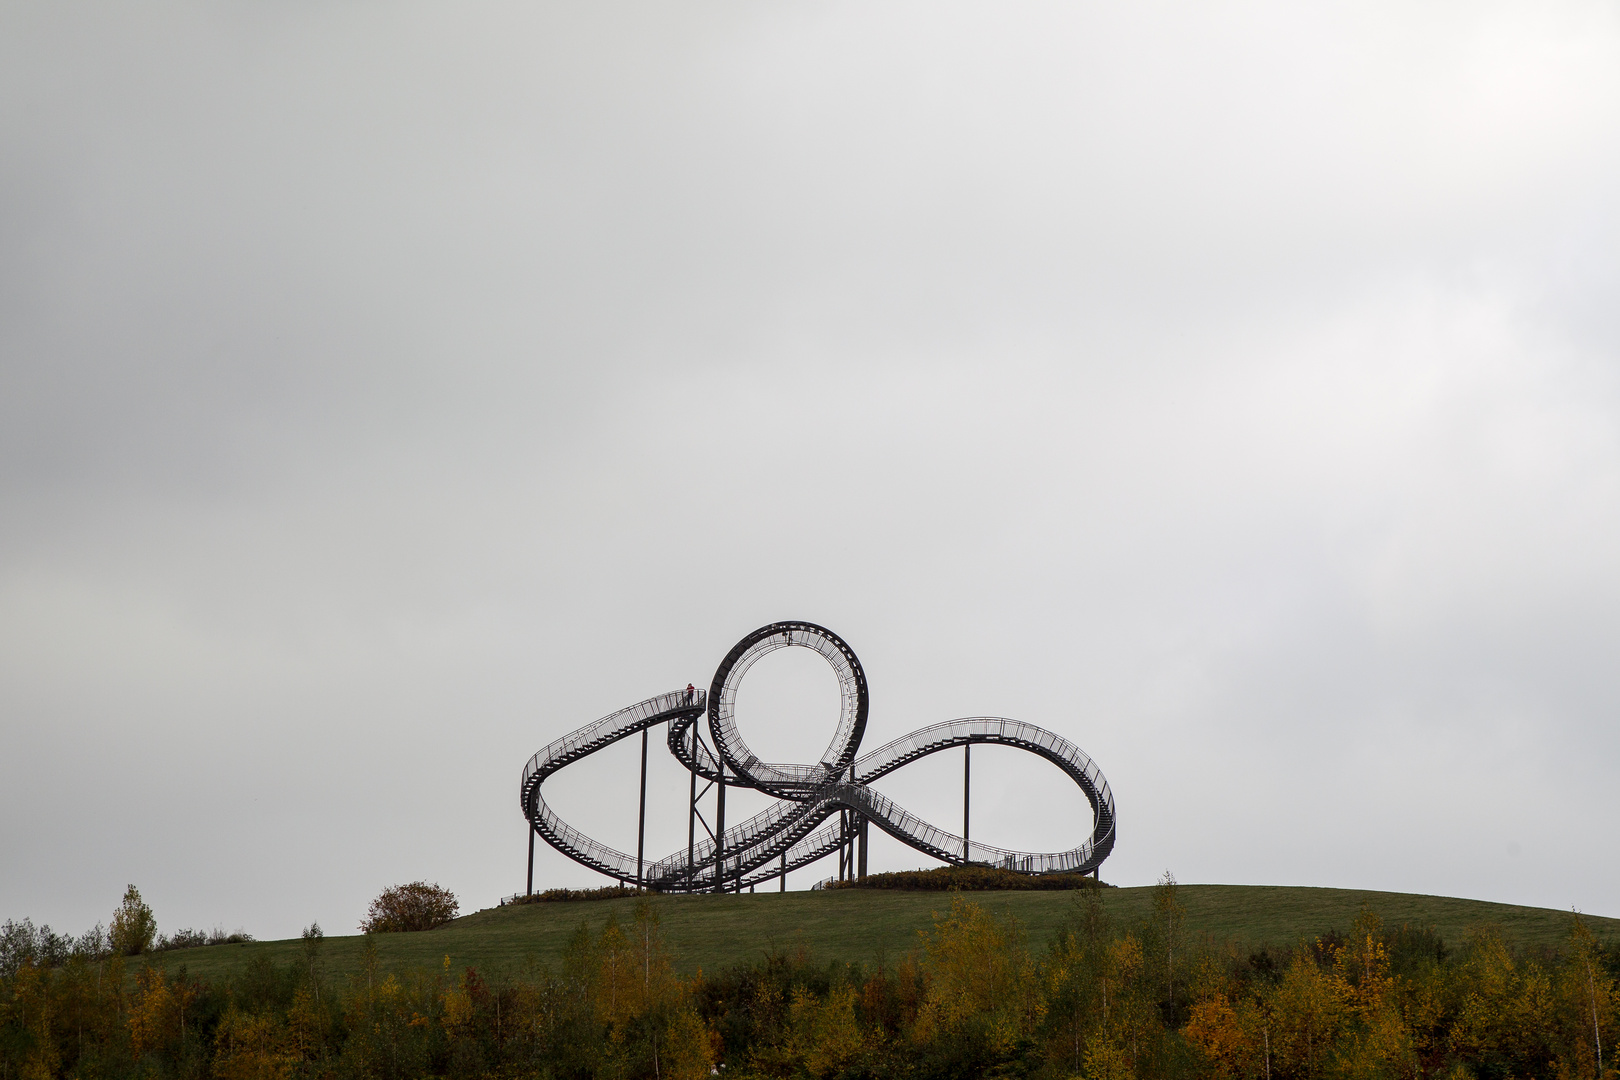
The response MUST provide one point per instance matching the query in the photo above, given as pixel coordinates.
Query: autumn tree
(1589, 1002)
(1303, 1015)
(982, 994)
(133, 926)
(688, 1051)
(1075, 975)
(311, 939)
(1131, 1029)
(1168, 915)
(1223, 1032)
(251, 1047)
(1507, 1009)
(417, 906)
(1377, 1041)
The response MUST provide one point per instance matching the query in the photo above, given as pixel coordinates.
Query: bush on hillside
(417, 906)
(180, 939)
(968, 878)
(194, 939)
(554, 896)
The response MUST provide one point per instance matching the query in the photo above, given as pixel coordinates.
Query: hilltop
(867, 926)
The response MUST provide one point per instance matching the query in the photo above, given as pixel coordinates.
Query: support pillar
(720, 833)
(781, 879)
(530, 890)
(641, 821)
(861, 835)
(967, 773)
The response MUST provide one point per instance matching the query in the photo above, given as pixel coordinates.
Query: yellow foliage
(688, 1050)
(615, 985)
(1108, 1059)
(1589, 1003)
(153, 1012)
(31, 997)
(980, 976)
(458, 1018)
(1361, 976)
(823, 1034)
(252, 1048)
(306, 1024)
(1306, 1015)
(1125, 959)
(1214, 1028)
(1505, 1004)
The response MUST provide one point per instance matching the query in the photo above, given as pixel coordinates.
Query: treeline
(1101, 1000)
(133, 932)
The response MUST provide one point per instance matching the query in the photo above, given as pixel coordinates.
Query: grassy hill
(870, 925)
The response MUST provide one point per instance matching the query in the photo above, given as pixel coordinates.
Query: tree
(1168, 914)
(1075, 973)
(1303, 1017)
(688, 1049)
(417, 906)
(1591, 992)
(982, 993)
(133, 926)
(312, 938)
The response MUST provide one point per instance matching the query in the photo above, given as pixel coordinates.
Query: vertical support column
(641, 821)
(530, 890)
(781, 879)
(858, 843)
(720, 833)
(967, 773)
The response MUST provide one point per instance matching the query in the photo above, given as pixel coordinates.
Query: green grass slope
(867, 926)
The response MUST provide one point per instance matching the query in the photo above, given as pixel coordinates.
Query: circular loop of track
(784, 780)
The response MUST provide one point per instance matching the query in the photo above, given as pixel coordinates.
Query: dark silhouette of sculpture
(822, 807)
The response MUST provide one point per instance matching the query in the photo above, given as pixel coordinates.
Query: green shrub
(968, 878)
(417, 906)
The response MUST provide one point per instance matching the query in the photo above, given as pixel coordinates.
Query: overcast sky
(387, 390)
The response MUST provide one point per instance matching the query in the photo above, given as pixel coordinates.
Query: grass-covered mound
(870, 925)
(969, 879)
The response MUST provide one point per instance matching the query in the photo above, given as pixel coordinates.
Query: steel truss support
(694, 816)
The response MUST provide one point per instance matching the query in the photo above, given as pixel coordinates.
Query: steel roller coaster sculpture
(821, 808)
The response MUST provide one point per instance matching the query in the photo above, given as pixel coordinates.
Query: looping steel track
(806, 823)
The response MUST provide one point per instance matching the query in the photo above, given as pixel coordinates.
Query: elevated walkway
(819, 807)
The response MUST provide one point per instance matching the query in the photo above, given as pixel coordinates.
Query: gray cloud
(385, 391)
